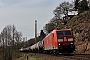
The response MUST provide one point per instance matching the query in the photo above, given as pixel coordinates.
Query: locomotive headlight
(71, 43)
(60, 40)
(59, 44)
(70, 39)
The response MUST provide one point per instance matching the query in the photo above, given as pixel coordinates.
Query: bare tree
(10, 37)
(63, 9)
(18, 37)
(49, 27)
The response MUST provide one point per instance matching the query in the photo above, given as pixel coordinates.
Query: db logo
(65, 39)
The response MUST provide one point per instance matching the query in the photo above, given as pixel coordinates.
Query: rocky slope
(81, 28)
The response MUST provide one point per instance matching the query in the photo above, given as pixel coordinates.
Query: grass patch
(36, 58)
(21, 58)
(24, 55)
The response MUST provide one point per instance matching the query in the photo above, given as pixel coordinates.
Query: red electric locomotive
(60, 41)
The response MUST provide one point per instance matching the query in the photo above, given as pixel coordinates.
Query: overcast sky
(23, 13)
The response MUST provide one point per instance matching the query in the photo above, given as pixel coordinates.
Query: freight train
(58, 41)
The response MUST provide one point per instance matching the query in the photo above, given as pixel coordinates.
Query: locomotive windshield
(64, 33)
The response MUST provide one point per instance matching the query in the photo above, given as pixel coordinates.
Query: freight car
(38, 47)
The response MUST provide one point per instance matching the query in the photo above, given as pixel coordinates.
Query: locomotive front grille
(68, 48)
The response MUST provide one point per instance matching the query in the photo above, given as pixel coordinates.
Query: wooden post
(26, 57)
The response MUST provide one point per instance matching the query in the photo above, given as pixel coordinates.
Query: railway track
(78, 57)
(62, 57)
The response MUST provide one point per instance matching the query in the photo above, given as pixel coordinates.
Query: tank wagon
(24, 49)
(38, 47)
